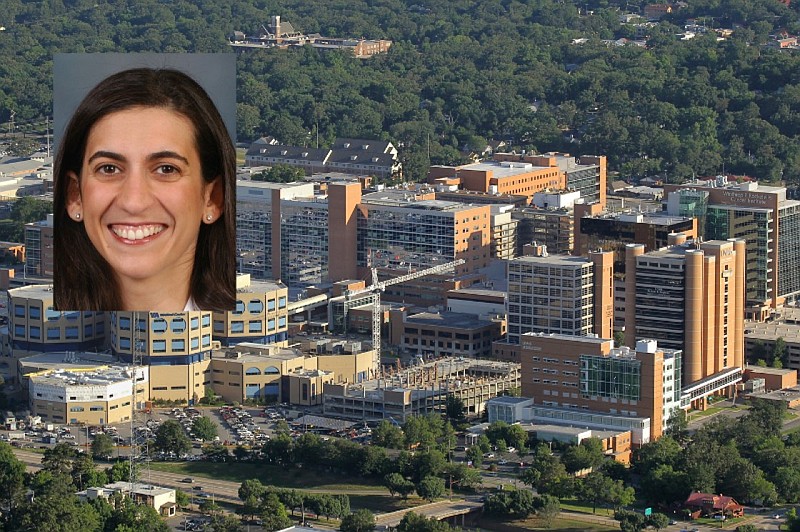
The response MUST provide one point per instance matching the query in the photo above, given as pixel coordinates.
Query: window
(51, 315)
(282, 302)
(282, 321)
(237, 326)
(125, 323)
(19, 311)
(271, 325)
(219, 326)
(96, 408)
(239, 308)
(271, 304)
(178, 325)
(54, 333)
(88, 330)
(272, 370)
(194, 323)
(76, 409)
(159, 325)
(195, 343)
(252, 371)
(206, 340)
(19, 331)
(206, 320)
(254, 327)
(178, 344)
(35, 332)
(159, 346)
(71, 333)
(35, 313)
(124, 343)
(255, 306)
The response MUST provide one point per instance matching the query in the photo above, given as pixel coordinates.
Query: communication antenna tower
(139, 465)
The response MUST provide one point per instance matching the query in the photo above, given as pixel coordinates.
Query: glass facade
(660, 301)
(617, 377)
(788, 251)
(405, 238)
(555, 296)
(254, 240)
(304, 243)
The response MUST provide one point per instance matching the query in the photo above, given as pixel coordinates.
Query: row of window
(57, 333)
(253, 326)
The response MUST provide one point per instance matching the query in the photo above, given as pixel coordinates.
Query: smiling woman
(144, 199)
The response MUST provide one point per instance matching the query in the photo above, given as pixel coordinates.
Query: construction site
(422, 388)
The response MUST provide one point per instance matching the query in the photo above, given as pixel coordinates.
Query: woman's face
(141, 194)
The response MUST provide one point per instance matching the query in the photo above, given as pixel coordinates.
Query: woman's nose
(136, 194)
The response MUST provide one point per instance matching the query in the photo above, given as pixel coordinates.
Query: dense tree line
(463, 71)
(46, 500)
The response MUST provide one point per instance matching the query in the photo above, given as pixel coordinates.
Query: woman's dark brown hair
(82, 279)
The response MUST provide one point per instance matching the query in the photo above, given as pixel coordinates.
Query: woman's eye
(108, 169)
(167, 169)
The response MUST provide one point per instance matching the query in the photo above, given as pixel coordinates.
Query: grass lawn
(240, 153)
(534, 523)
(267, 474)
(584, 507)
(703, 413)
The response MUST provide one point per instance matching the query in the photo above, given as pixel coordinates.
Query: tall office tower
(761, 216)
(397, 231)
(39, 249)
(560, 295)
(503, 239)
(689, 297)
(291, 233)
(34, 327)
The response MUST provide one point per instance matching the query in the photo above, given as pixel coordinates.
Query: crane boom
(379, 286)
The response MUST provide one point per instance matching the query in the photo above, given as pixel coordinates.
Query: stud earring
(77, 216)
(209, 217)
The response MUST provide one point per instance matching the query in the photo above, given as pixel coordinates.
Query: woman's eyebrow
(107, 154)
(166, 154)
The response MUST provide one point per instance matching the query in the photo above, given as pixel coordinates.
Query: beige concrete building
(260, 314)
(265, 372)
(35, 327)
(785, 324)
(96, 396)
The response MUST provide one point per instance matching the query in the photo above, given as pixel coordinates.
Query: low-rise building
(444, 333)
(101, 395)
(784, 324)
(158, 497)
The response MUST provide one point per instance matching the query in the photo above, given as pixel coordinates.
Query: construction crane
(379, 286)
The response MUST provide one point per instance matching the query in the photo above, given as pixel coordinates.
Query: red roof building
(707, 505)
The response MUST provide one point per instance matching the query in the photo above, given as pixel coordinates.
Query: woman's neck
(154, 295)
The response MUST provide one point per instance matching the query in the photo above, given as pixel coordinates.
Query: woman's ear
(74, 204)
(214, 198)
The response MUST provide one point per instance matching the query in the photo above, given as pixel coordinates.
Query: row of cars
(242, 426)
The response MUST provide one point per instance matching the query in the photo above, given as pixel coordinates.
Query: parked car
(188, 480)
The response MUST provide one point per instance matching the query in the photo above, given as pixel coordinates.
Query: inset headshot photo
(144, 182)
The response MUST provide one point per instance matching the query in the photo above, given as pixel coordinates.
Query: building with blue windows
(260, 315)
(35, 327)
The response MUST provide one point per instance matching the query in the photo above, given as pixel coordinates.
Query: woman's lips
(136, 232)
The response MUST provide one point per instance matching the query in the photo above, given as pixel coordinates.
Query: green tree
(678, 425)
(430, 488)
(223, 523)
(182, 499)
(361, 520)
(252, 487)
(547, 508)
(59, 458)
(170, 438)
(396, 483)
(747, 528)
(12, 476)
(128, 515)
(454, 408)
(657, 521)
(387, 435)
(204, 428)
(273, 514)
(414, 522)
(630, 521)
(102, 446)
(62, 513)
